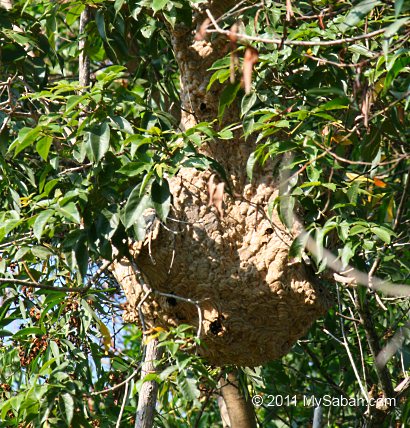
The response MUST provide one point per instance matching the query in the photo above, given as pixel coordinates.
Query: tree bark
(240, 409)
(148, 393)
(84, 60)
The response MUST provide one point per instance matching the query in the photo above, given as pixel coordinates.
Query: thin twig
(382, 372)
(347, 318)
(75, 169)
(288, 42)
(124, 400)
(206, 401)
(347, 347)
(35, 284)
(359, 343)
(41, 286)
(118, 385)
(399, 212)
(150, 290)
(323, 372)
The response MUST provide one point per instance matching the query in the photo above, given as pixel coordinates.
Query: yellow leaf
(158, 329)
(341, 140)
(352, 176)
(149, 338)
(26, 200)
(106, 337)
(378, 87)
(389, 213)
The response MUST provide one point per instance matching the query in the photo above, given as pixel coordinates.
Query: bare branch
(36, 284)
(84, 60)
(149, 290)
(119, 385)
(41, 286)
(288, 42)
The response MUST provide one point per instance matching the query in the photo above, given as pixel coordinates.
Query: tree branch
(84, 60)
(240, 410)
(148, 394)
(288, 42)
(374, 345)
(36, 284)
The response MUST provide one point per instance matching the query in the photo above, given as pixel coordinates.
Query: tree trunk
(240, 409)
(148, 394)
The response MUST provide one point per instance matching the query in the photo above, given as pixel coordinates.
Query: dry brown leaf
(232, 34)
(216, 194)
(321, 22)
(234, 58)
(289, 10)
(249, 60)
(211, 188)
(201, 33)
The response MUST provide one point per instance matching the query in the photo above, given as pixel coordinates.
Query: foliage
(80, 165)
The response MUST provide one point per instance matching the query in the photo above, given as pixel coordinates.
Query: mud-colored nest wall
(255, 304)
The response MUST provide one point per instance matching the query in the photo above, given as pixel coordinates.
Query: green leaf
(81, 256)
(122, 124)
(99, 19)
(225, 134)
(286, 208)
(188, 387)
(398, 4)
(392, 29)
(382, 233)
(158, 5)
(168, 371)
(98, 141)
(358, 228)
(45, 369)
(43, 146)
(28, 331)
(74, 13)
(161, 198)
(73, 101)
(198, 162)
(68, 406)
(110, 73)
(21, 253)
(227, 97)
(132, 169)
(346, 254)
(336, 104)
(26, 137)
(394, 71)
(134, 208)
(361, 50)
(40, 223)
(220, 75)
(70, 212)
(357, 13)
(17, 37)
(55, 350)
(248, 101)
(296, 249)
(41, 252)
(331, 186)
